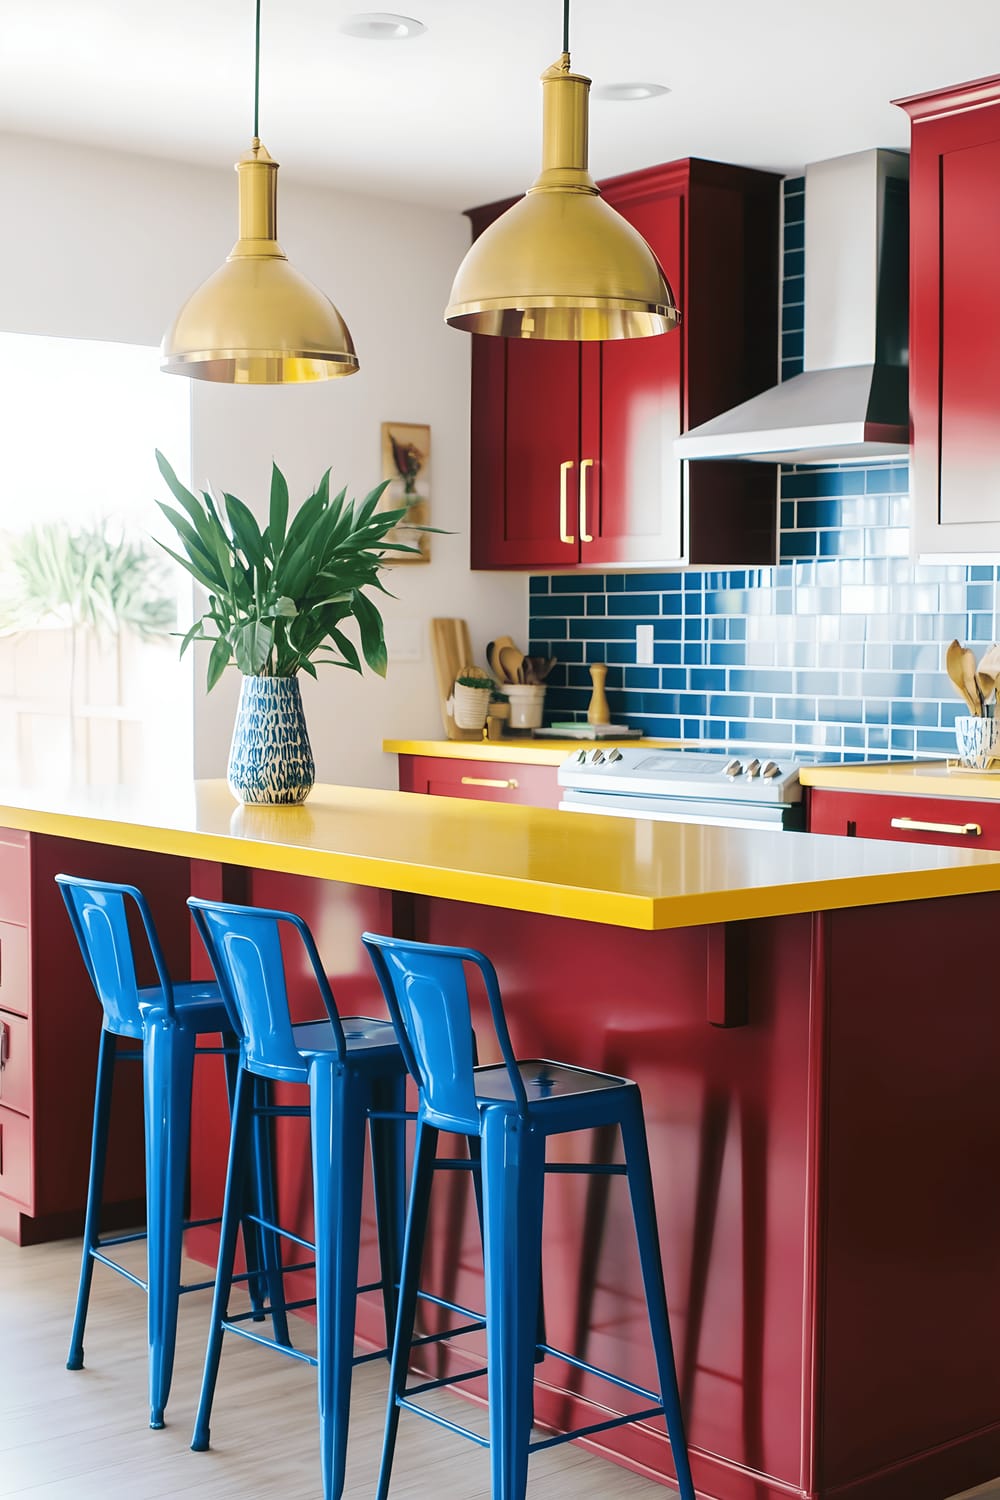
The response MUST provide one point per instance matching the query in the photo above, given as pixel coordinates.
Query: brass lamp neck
(565, 99)
(257, 173)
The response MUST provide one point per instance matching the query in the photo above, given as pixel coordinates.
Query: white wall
(105, 245)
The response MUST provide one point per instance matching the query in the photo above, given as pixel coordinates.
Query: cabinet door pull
(969, 830)
(564, 535)
(585, 464)
(4, 1051)
(489, 781)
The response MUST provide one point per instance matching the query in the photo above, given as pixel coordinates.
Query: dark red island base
(825, 1170)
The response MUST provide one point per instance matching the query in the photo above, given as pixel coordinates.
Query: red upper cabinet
(954, 297)
(572, 444)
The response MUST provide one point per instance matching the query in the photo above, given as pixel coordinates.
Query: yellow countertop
(519, 752)
(921, 778)
(629, 874)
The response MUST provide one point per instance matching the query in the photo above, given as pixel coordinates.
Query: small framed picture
(406, 462)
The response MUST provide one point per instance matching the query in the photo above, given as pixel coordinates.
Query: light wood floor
(83, 1436)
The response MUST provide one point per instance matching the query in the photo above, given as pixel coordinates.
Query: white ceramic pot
(527, 701)
(978, 740)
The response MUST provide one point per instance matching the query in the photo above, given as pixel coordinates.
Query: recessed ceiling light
(382, 26)
(627, 93)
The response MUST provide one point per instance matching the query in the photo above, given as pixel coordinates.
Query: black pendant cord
(565, 24)
(256, 76)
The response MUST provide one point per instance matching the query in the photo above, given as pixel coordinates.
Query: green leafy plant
(86, 580)
(277, 596)
(83, 578)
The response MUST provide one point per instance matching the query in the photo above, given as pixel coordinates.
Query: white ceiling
(452, 117)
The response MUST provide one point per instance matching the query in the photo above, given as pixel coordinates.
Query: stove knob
(614, 755)
(734, 768)
(753, 769)
(770, 771)
(598, 758)
(581, 757)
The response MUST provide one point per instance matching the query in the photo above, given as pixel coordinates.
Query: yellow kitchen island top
(625, 873)
(915, 778)
(519, 752)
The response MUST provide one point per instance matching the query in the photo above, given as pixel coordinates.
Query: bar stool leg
(168, 1067)
(425, 1150)
(95, 1184)
(337, 1121)
(513, 1189)
(263, 1246)
(232, 1209)
(640, 1184)
(388, 1139)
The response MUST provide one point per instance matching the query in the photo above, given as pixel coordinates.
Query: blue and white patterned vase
(270, 759)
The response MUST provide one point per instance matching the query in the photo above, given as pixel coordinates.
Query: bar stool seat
(356, 1078)
(165, 1019)
(508, 1111)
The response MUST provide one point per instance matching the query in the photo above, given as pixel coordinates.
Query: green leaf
(372, 634)
(283, 608)
(246, 532)
(252, 645)
(278, 516)
(196, 633)
(347, 649)
(190, 567)
(218, 661)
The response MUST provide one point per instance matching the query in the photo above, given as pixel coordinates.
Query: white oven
(745, 790)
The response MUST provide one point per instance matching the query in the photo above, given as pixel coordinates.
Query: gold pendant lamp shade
(256, 320)
(562, 264)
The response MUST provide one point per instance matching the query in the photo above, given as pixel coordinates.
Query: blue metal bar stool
(165, 1020)
(356, 1076)
(509, 1110)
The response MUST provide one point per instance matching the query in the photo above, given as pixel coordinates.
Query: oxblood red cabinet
(572, 444)
(954, 821)
(50, 1022)
(954, 288)
(483, 780)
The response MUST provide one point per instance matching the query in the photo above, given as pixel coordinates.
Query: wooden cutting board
(452, 651)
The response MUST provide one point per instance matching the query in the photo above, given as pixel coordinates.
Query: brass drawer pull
(489, 781)
(564, 535)
(970, 830)
(585, 464)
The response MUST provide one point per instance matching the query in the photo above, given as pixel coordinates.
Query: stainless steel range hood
(851, 402)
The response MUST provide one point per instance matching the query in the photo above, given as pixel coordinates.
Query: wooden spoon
(511, 663)
(986, 683)
(989, 662)
(955, 664)
(969, 682)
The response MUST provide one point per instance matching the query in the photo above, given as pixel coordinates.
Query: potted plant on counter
(277, 599)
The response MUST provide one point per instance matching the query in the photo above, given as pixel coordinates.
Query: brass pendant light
(561, 263)
(256, 320)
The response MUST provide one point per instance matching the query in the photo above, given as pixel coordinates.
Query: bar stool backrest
(244, 946)
(98, 915)
(426, 990)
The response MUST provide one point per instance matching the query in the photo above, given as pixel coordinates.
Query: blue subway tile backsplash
(835, 653)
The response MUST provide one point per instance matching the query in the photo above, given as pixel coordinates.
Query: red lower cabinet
(483, 780)
(50, 1023)
(960, 823)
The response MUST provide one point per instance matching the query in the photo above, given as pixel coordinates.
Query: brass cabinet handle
(489, 781)
(585, 464)
(970, 830)
(564, 535)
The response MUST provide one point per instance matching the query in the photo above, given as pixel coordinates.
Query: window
(91, 689)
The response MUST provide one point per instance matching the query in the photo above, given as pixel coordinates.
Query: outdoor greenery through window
(91, 690)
